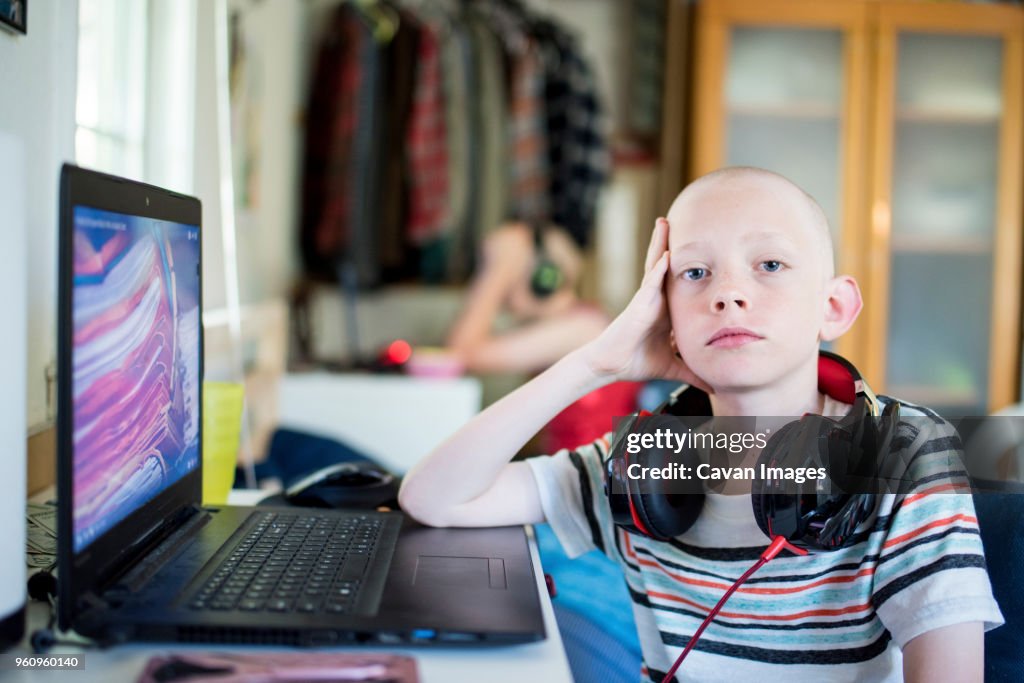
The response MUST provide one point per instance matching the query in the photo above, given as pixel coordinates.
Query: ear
(842, 306)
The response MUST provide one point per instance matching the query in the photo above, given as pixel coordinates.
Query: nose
(728, 296)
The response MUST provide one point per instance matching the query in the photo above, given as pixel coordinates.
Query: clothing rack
(423, 138)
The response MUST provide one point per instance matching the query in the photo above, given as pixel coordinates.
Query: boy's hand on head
(637, 345)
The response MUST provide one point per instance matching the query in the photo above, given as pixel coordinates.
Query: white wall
(37, 106)
(171, 105)
(207, 166)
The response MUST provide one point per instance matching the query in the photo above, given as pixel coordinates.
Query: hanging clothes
(426, 146)
(343, 161)
(578, 153)
(528, 141)
(363, 253)
(447, 255)
(423, 137)
(529, 184)
(395, 255)
(459, 79)
(328, 178)
(489, 128)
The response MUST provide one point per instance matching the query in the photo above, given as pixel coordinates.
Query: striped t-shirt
(833, 616)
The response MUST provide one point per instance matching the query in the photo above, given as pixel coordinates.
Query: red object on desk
(549, 581)
(395, 353)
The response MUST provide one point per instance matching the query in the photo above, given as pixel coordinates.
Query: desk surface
(544, 661)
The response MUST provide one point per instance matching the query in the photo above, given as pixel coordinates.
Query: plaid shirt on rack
(526, 131)
(427, 146)
(331, 118)
(528, 145)
(579, 157)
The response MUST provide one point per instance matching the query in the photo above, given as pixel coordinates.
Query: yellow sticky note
(222, 428)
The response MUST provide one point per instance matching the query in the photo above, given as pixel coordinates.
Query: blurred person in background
(530, 274)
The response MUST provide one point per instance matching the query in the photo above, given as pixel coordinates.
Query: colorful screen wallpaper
(135, 363)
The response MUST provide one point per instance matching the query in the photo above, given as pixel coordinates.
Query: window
(110, 111)
(136, 89)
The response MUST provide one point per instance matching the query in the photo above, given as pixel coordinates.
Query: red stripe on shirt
(766, 617)
(931, 525)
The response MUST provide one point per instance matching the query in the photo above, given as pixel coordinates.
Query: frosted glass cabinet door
(945, 169)
(905, 120)
(784, 104)
(784, 85)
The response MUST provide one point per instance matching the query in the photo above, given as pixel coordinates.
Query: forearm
(537, 345)
(467, 464)
(473, 326)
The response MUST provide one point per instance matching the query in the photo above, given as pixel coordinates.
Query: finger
(650, 287)
(655, 275)
(656, 246)
(658, 243)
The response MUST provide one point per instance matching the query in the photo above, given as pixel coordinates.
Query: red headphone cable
(774, 548)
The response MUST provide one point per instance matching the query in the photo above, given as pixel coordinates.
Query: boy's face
(748, 281)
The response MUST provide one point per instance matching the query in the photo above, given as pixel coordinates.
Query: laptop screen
(135, 363)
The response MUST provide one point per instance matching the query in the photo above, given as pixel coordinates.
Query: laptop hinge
(92, 616)
(143, 558)
(87, 605)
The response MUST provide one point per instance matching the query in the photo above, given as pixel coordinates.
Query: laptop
(140, 558)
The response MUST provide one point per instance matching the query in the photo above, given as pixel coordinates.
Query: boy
(739, 293)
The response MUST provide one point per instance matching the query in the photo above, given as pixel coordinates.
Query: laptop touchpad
(464, 572)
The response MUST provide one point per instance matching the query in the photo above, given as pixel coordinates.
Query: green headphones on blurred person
(547, 277)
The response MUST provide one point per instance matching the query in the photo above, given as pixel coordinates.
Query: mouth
(733, 337)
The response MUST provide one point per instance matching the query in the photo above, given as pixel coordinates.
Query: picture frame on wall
(14, 15)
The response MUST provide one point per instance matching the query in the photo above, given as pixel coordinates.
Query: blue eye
(771, 266)
(694, 274)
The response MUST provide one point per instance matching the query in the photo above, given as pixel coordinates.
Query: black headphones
(808, 516)
(547, 277)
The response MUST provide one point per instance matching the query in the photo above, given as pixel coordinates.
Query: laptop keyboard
(301, 562)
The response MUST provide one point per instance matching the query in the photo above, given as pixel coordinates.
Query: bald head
(750, 287)
(740, 184)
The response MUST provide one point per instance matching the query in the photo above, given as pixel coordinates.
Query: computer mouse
(345, 485)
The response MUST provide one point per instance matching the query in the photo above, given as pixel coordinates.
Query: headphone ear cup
(668, 515)
(757, 503)
(891, 467)
(766, 503)
(547, 277)
(667, 507)
(620, 489)
(809, 518)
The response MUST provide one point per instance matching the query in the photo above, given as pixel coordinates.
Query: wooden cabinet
(904, 121)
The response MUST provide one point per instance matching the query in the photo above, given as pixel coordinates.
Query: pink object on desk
(434, 362)
(259, 667)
